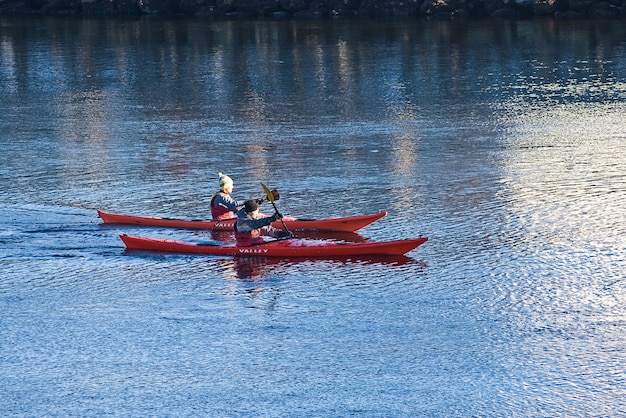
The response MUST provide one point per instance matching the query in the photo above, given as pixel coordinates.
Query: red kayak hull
(281, 248)
(345, 224)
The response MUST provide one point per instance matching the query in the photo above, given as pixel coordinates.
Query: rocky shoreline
(320, 9)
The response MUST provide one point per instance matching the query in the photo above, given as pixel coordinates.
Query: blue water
(500, 141)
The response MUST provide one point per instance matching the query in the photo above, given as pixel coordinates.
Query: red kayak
(346, 224)
(293, 247)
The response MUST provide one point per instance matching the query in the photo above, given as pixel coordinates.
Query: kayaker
(223, 206)
(250, 229)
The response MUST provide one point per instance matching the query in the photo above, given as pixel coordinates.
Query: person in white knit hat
(223, 206)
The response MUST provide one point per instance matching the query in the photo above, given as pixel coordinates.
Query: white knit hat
(224, 181)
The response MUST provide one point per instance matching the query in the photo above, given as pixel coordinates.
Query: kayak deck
(345, 224)
(279, 248)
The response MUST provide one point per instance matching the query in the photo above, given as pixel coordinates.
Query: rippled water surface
(503, 142)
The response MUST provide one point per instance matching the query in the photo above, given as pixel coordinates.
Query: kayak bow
(346, 224)
(280, 248)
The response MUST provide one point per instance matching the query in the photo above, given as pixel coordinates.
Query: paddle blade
(268, 193)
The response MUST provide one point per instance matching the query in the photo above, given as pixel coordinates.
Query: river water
(503, 142)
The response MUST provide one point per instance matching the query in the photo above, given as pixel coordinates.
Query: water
(501, 141)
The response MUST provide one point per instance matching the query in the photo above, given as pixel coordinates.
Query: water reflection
(315, 83)
(319, 62)
(255, 269)
(117, 71)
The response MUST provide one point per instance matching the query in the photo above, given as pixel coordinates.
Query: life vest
(247, 238)
(220, 212)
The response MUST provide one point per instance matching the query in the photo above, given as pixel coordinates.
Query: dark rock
(580, 6)
(544, 7)
(491, 6)
(568, 15)
(193, 7)
(107, 8)
(506, 13)
(280, 14)
(252, 8)
(390, 8)
(295, 6)
(436, 7)
(159, 7)
(344, 13)
(309, 10)
(604, 9)
(15, 8)
(344, 7)
(62, 8)
(310, 14)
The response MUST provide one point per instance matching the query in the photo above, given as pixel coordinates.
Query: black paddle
(270, 197)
